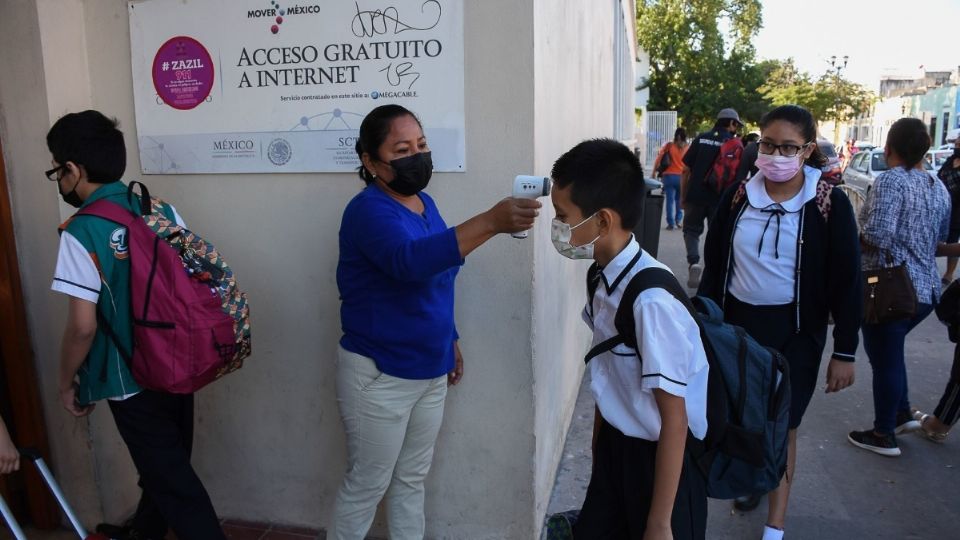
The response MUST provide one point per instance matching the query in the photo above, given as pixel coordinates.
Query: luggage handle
(34, 456)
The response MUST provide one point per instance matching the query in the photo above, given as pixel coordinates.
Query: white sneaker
(693, 278)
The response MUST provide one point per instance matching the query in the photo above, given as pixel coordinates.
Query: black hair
(805, 122)
(909, 139)
(751, 137)
(680, 135)
(92, 140)
(374, 130)
(603, 173)
(724, 123)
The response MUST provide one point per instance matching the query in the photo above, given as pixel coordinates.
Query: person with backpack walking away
(669, 166)
(709, 165)
(644, 482)
(93, 269)
(902, 222)
(399, 351)
(949, 174)
(781, 256)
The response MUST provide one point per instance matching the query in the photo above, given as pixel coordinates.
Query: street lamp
(835, 68)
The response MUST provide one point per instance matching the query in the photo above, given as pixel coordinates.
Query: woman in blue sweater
(398, 262)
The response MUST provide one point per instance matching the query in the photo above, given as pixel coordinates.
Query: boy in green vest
(93, 269)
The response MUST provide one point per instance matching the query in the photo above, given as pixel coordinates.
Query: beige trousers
(391, 426)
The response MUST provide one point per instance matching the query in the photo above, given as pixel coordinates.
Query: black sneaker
(747, 503)
(906, 423)
(885, 445)
(122, 532)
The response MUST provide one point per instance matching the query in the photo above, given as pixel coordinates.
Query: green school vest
(105, 373)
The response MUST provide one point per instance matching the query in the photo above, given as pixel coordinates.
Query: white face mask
(561, 232)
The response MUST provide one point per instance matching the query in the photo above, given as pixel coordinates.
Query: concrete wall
(24, 120)
(269, 442)
(574, 74)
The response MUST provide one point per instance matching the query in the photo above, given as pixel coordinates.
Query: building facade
(540, 76)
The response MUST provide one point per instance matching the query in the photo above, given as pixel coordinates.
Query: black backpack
(748, 391)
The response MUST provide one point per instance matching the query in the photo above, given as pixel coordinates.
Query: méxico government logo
(279, 152)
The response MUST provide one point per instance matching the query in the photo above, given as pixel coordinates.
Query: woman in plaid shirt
(905, 216)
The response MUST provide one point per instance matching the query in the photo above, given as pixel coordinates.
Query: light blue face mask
(560, 234)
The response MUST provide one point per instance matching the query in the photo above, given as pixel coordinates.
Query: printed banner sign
(267, 86)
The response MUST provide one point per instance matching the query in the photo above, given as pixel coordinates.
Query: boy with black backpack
(649, 397)
(93, 269)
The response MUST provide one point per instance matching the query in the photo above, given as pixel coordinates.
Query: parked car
(866, 166)
(940, 156)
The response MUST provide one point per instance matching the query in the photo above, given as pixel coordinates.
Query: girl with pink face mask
(781, 256)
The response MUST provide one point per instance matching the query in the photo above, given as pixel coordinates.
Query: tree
(693, 70)
(829, 97)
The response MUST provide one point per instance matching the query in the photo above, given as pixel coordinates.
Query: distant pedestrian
(699, 201)
(672, 153)
(781, 256)
(936, 426)
(748, 160)
(905, 216)
(949, 173)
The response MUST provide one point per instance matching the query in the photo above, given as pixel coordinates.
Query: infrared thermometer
(529, 187)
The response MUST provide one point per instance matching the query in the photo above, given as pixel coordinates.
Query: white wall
(574, 46)
(269, 442)
(24, 120)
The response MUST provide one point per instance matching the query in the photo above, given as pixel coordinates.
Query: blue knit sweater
(396, 278)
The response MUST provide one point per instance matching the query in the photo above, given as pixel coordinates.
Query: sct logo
(279, 152)
(118, 242)
(375, 94)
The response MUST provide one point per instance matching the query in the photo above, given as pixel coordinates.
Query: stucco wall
(24, 120)
(269, 443)
(573, 44)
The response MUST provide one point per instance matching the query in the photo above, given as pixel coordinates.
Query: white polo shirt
(764, 269)
(669, 343)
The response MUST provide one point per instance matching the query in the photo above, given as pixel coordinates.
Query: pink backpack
(190, 322)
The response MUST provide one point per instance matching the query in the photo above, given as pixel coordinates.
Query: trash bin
(647, 230)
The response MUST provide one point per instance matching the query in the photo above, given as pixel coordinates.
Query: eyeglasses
(788, 150)
(52, 173)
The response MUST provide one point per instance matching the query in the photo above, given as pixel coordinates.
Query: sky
(880, 37)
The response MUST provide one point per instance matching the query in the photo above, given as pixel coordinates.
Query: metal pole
(11, 521)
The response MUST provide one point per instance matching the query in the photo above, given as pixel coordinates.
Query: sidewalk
(841, 492)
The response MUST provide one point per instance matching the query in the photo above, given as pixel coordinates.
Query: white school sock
(772, 533)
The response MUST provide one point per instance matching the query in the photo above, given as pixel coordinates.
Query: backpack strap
(624, 320)
(109, 211)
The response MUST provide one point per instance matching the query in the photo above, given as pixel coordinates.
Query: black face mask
(71, 198)
(956, 153)
(411, 174)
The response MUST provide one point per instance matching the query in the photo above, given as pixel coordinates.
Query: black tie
(773, 210)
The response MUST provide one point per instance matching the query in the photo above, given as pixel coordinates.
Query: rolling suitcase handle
(11, 521)
(51, 482)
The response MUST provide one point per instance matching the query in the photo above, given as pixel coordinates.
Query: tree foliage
(828, 97)
(702, 60)
(692, 67)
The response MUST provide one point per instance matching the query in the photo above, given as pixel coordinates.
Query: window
(858, 161)
(878, 162)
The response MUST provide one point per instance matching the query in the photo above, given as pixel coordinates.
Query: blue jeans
(671, 189)
(884, 345)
